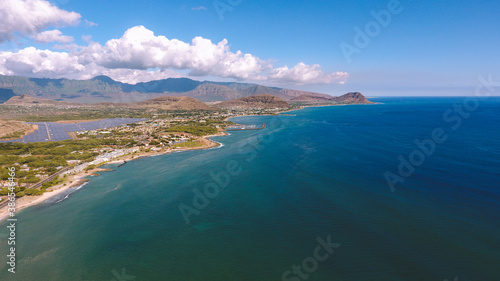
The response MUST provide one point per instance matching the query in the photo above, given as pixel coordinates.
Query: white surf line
(47, 127)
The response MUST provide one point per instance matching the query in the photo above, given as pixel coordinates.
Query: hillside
(310, 98)
(174, 103)
(213, 92)
(349, 98)
(288, 94)
(6, 94)
(25, 100)
(254, 102)
(104, 89)
(163, 103)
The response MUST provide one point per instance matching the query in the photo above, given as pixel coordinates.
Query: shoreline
(80, 178)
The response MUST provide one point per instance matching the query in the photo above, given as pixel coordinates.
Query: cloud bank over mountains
(138, 56)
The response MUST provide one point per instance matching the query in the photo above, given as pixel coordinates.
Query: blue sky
(427, 48)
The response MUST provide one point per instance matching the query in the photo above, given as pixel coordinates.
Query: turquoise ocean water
(266, 202)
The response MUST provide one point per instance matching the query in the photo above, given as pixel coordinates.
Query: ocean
(404, 190)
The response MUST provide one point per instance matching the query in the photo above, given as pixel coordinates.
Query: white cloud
(139, 48)
(52, 36)
(29, 17)
(39, 63)
(310, 74)
(90, 24)
(130, 58)
(87, 38)
(31, 62)
(134, 76)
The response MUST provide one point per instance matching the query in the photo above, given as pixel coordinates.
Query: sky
(377, 47)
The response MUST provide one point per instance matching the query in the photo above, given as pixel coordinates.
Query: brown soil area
(10, 126)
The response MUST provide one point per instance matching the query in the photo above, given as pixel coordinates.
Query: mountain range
(254, 102)
(349, 98)
(104, 89)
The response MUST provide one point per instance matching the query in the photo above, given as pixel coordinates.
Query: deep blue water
(318, 175)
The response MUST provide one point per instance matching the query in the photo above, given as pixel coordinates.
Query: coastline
(80, 178)
(300, 108)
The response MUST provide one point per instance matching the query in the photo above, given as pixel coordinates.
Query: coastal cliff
(349, 98)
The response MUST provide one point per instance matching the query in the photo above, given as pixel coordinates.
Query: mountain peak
(105, 79)
(351, 97)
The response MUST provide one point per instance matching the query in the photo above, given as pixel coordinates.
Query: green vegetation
(17, 190)
(32, 161)
(14, 135)
(153, 142)
(86, 114)
(30, 192)
(68, 149)
(196, 130)
(53, 182)
(188, 144)
(90, 167)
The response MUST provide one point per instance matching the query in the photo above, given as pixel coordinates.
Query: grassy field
(189, 144)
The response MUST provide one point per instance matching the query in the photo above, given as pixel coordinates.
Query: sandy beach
(78, 179)
(26, 201)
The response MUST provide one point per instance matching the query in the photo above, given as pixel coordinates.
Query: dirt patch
(10, 129)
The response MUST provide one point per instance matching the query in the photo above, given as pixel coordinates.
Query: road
(39, 184)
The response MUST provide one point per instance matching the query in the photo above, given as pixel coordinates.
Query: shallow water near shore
(307, 177)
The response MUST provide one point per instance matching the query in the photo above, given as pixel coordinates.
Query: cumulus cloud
(131, 58)
(52, 36)
(139, 48)
(39, 63)
(32, 62)
(29, 17)
(134, 76)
